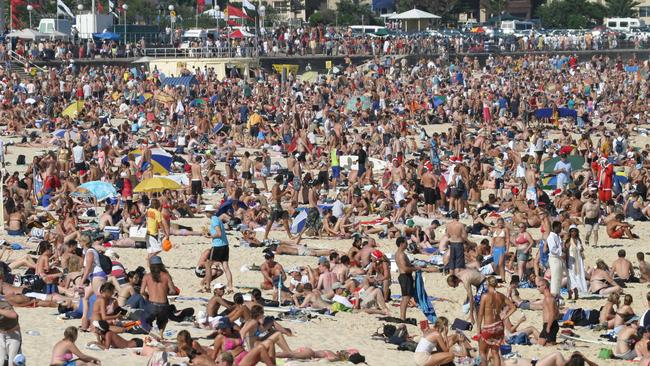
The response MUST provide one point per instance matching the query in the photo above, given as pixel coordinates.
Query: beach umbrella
(156, 184)
(161, 160)
(309, 76)
(100, 190)
(73, 109)
(576, 162)
(30, 101)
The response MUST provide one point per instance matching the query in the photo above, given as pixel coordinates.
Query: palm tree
(622, 8)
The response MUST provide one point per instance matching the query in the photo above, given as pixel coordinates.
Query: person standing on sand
(405, 278)
(154, 223)
(197, 178)
(277, 213)
(490, 323)
(550, 327)
(590, 217)
(156, 285)
(457, 233)
(220, 251)
(556, 258)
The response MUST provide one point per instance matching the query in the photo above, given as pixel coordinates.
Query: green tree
(494, 7)
(326, 16)
(621, 8)
(353, 13)
(562, 14)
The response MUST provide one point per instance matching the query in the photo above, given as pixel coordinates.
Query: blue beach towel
(422, 299)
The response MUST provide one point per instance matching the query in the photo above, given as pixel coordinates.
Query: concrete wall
(174, 66)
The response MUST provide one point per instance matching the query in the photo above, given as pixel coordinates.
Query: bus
(516, 26)
(623, 24)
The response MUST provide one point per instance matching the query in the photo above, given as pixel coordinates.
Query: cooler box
(114, 232)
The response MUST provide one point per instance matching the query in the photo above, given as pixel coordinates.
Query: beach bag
(605, 354)
(137, 233)
(20, 160)
(460, 324)
(105, 263)
(408, 346)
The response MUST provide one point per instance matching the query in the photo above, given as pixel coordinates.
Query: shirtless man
(428, 186)
(104, 301)
(548, 334)
(296, 169)
(106, 218)
(622, 269)
(470, 277)
(644, 268)
(277, 212)
(342, 269)
(327, 278)
(313, 221)
(311, 299)
(397, 173)
(490, 322)
(406, 281)
(246, 169)
(617, 229)
(457, 234)
(197, 177)
(574, 205)
(272, 271)
(380, 268)
(217, 301)
(590, 216)
(531, 177)
(156, 285)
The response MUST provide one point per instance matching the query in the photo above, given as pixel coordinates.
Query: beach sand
(341, 332)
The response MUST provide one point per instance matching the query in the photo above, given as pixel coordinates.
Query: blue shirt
(223, 240)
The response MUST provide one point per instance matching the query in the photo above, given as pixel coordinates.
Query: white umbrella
(27, 34)
(30, 101)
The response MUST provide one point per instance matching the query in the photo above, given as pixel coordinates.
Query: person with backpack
(94, 275)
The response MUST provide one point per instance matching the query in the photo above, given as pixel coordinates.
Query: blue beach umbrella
(100, 190)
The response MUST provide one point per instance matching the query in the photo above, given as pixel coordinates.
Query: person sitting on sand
(622, 270)
(310, 298)
(229, 341)
(600, 282)
(624, 313)
(65, 350)
(109, 339)
(625, 339)
(644, 268)
(617, 229)
(271, 270)
(369, 299)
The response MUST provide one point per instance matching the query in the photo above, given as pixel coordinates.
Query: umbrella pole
(2, 195)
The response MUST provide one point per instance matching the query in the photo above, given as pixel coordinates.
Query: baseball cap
(322, 259)
(155, 260)
(377, 254)
(293, 269)
(337, 285)
(218, 285)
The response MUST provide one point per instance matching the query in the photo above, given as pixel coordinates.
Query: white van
(623, 24)
(365, 29)
(516, 26)
(191, 35)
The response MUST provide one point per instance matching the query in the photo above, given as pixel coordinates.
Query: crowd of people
(319, 40)
(530, 144)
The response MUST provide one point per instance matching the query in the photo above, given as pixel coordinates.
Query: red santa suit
(605, 180)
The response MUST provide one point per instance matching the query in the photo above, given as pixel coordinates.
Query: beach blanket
(422, 299)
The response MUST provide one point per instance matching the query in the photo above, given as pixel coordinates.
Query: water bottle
(33, 333)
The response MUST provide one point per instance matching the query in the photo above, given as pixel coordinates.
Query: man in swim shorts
(457, 233)
(550, 327)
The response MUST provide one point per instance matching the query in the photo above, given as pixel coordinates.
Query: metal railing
(23, 60)
(201, 52)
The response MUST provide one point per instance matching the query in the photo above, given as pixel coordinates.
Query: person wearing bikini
(490, 323)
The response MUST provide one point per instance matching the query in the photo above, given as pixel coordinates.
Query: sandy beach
(343, 331)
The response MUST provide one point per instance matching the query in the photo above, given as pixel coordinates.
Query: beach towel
(422, 299)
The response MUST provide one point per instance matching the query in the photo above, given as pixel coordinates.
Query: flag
(111, 8)
(62, 9)
(248, 5)
(200, 6)
(232, 23)
(100, 7)
(232, 11)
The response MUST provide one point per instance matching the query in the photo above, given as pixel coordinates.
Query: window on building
(644, 11)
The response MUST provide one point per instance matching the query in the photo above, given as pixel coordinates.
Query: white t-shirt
(400, 193)
(337, 208)
(78, 154)
(554, 244)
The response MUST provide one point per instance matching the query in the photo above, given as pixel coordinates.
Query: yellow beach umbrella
(156, 184)
(73, 109)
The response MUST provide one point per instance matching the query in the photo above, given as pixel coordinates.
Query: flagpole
(228, 27)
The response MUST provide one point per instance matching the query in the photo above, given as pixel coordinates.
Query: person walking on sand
(590, 216)
(405, 278)
(550, 327)
(156, 285)
(490, 322)
(220, 251)
(154, 224)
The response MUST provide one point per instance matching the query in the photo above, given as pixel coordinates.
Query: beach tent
(28, 34)
(108, 36)
(415, 20)
(185, 81)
